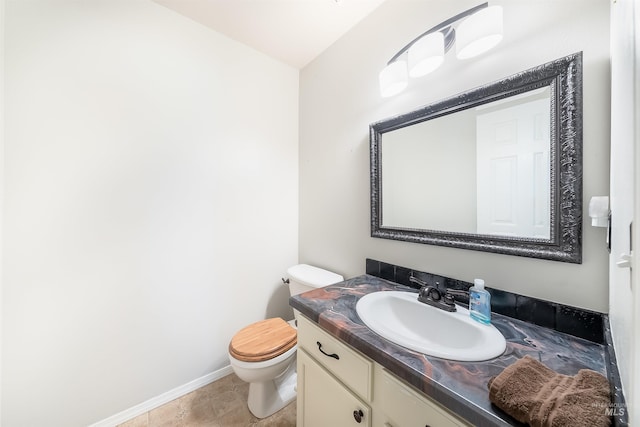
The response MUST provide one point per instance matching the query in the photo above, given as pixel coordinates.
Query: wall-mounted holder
(601, 215)
(599, 211)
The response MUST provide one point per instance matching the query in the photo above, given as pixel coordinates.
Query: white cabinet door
(323, 401)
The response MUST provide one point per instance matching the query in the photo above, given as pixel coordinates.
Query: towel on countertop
(534, 394)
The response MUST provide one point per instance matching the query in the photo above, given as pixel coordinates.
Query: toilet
(264, 353)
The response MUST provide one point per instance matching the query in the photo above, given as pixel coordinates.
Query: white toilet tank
(303, 278)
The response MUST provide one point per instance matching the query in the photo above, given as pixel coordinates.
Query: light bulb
(479, 32)
(393, 79)
(426, 54)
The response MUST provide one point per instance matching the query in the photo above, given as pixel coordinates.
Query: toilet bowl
(264, 353)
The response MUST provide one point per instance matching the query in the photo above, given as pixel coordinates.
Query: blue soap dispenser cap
(478, 283)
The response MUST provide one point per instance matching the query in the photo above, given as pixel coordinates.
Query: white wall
(151, 193)
(339, 98)
(407, 157)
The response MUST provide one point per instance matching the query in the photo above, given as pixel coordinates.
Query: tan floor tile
(286, 417)
(229, 402)
(168, 415)
(200, 409)
(139, 421)
(239, 416)
(222, 403)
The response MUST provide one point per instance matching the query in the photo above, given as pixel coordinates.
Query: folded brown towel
(534, 394)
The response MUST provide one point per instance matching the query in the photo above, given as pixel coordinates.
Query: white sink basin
(401, 318)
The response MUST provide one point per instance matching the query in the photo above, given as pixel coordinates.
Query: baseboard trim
(160, 400)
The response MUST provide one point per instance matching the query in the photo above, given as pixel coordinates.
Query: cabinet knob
(358, 415)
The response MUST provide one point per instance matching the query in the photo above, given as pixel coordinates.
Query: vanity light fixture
(479, 32)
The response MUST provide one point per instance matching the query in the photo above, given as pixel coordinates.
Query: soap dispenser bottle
(480, 302)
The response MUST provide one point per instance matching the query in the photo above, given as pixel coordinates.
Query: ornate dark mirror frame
(564, 78)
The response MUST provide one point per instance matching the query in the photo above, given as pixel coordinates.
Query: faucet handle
(424, 291)
(448, 299)
(417, 281)
(457, 293)
(432, 296)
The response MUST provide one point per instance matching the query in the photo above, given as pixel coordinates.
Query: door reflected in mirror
(490, 164)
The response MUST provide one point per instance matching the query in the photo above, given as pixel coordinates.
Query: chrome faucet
(432, 296)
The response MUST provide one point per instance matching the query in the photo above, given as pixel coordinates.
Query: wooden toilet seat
(263, 340)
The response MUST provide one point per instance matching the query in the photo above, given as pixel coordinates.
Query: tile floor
(222, 403)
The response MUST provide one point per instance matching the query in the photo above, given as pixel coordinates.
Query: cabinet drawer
(354, 370)
(399, 406)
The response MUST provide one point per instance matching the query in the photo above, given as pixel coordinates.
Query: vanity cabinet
(338, 386)
(324, 401)
(334, 381)
(397, 405)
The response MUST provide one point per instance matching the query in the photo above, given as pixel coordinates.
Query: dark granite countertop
(459, 386)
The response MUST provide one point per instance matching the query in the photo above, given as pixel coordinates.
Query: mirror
(497, 169)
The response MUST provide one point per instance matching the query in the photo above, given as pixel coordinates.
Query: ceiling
(292, 31)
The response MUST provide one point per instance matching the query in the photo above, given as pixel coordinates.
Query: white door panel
(625, 165)
(513, 170)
